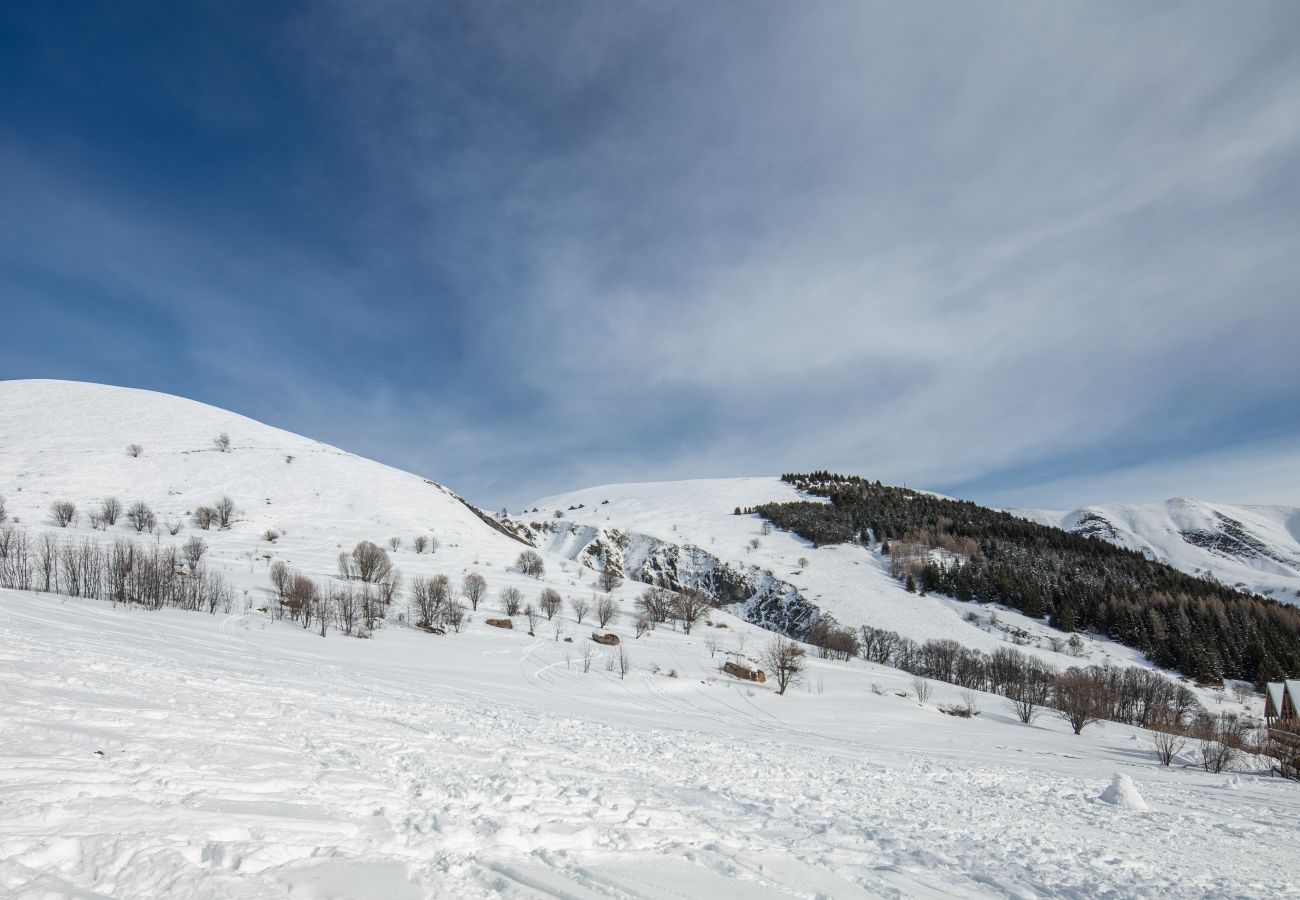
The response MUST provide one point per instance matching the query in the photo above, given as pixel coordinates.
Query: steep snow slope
(1255, 548)
(851, 583)
(170, 754)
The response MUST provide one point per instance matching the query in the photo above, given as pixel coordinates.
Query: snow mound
(1123, 793)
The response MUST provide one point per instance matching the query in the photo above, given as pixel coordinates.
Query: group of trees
(123, 571)
(1198, 627)
(658, 605)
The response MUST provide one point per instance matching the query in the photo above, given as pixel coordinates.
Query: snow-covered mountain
(1255, 548)
(178, 753)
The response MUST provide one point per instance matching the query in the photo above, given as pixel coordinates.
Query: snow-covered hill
(1255, 548)
(173, 753)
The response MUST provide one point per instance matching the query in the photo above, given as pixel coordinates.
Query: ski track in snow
(250, 759)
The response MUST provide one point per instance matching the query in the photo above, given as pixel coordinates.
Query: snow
(1123, 793)
(1254, 548)
(170, 753)
(248, 758)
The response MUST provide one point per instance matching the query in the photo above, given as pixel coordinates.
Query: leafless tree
(225, 512)
(1220, 741)
(420, 543)
(141, 517)
(610, 576)
(324, 612)
(713, 645)
(394, 543)
(3, 515)
(550, 602)
(655, 604)
(1079, 699)
(1031, 691)
(786, 660)
(63, 512)
(1242, 691)
(193, 550)
(530, 563)
(434, 544)
(642, 626)
(688, 605)
(588, 654)
(134, 450)
(624, 661)
(110, 508)
(204, 516)
(346, 607)
(922, 688)
(511, 597)
(531, 614)
(472, 588)
(559, 626)
(174, 527)
(970, 699)
(1168, 742)
(606, 610)
(222, 443)
(370, 562)
(581, 606)
(455, 616)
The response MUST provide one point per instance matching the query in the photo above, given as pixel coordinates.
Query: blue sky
(1032, 254)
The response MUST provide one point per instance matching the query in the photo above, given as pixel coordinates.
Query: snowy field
(152, 754)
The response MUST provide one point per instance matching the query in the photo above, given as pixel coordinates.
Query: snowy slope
(1255, 548)
(151, 754)
(850, 582)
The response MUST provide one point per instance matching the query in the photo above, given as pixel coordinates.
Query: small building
(1282, 704)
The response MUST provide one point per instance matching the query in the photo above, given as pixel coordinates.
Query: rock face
(500, 623)
(745, 673)
(609, 640)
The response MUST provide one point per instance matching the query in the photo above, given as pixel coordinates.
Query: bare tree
(370, 562)
(642, 625)
(970, 699)
(655, 604)
(222, 443)
(1168, 741)
(472, 588)
(1220, 741)
(624, 661)
(174, 528)
(606, 610)
(134, 450)
(110, 508)
(713, 645)
(455, 616)
(588, 654)
(610, 576)
(420, 543)
(434, 544)
(530, 613)
(141, 517)
(63, 512)
(225, 512)
(193, 550)
(689, 605)
(786, 660)
(922, 688)
(530, 563)
(204, 516)
(3, 515)
(394, 543)
(550, 602)
(511, 597)
(1079, 699)
(580, 607)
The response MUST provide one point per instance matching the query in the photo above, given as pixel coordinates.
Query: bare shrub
(456, 616)
(110, 508)
(530, 563)
(1220, 741)
(270, 535)
(394, 543)
(970, 699)
(786, 660)
(370, 562)
(204, 516)
(420, 543)
(141, 517)
(713, 645)
(174, 527)
(580, 607)
(473, 587)
(606, 610)
(531, 614)
(134, 450)
(63, 512)
(642, 626)
(222, 443)
(434, 544)
(588, 654)
(655, 604)
(511, 597)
